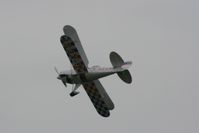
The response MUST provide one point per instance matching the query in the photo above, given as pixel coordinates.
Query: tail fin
(117, 61)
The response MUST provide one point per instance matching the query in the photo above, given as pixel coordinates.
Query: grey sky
(159, 36)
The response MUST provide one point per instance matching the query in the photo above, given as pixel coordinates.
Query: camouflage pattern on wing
(96, 98)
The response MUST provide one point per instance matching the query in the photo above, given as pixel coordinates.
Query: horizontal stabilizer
(118, 62)
(125, 76)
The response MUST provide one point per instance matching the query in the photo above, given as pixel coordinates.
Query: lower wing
(99, 97)
(104, 95)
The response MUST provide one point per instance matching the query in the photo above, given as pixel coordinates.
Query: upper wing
(99, 97)
(72, 45)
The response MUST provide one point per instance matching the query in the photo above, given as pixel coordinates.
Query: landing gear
(73, 93)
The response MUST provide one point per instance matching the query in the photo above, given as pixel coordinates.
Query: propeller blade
(64, 83)
(56, 70)
(59, 77)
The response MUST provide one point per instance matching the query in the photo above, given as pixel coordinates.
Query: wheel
(73, 93)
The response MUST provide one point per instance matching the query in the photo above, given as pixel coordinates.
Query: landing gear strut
(74, 92)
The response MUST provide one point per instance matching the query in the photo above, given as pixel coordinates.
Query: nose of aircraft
(59, 77)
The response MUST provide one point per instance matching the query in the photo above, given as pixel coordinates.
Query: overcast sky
(159, 36)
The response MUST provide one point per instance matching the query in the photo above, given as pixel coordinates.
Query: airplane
(87, 76)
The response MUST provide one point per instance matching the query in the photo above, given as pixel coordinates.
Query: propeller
(56, 70)
(59, 76)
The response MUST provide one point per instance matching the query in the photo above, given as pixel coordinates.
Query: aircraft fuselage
(83, 77)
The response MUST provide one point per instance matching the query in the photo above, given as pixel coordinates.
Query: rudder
(116, 60)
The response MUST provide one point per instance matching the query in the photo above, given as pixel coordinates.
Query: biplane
(87, 76)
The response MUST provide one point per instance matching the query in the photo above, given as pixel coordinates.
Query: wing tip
(68, 29)
(104, 113)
